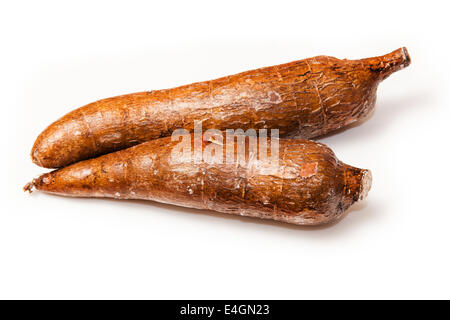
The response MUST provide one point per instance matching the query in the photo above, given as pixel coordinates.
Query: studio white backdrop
(57, 56)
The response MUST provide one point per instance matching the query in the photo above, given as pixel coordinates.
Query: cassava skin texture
(308, 186)
(305, 98)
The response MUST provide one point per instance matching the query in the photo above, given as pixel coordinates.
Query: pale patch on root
(366, 184)
(308, 170)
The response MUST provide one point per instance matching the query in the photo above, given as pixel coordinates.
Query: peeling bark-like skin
(308, 186)
(306, 98)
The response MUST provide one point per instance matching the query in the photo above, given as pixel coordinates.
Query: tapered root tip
(29, 187)
(386, 65)
(393, 62)
(366, 184)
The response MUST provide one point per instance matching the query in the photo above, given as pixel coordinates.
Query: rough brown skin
(308, 187)
(307, 98)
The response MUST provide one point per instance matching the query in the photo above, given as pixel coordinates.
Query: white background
(57, 56)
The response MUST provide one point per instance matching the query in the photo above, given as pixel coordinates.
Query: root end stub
(406, 57)
(29, 187)
(357, 184)
(389, 63)
(366, 184)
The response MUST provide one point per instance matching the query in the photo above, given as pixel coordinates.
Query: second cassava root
(308, 185)
(307, 98)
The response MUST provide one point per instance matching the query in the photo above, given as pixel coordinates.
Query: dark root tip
(407, 58)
